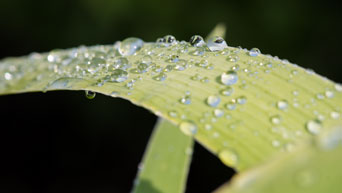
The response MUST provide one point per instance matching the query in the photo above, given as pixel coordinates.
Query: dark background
(63, 142)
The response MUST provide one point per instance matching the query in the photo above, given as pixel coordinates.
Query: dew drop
(231, 105)
(329, 94)
(90, 94)
(173, 114)
(275, 119)
(160, 77)
(335, 115)
(170, 39)
(213, 101)
(218, 112)
(254, 52)
(146, 59)
(227, 91)
(282, 104)
(8, 76)
(186, 100)
(229, 78)
(233, 58)
(188, 128)
(197, 41)
(338, 87)
(241, 100)
(118, 75)
(228, 157)
(130, 46)
(216, 44)
(313, 127)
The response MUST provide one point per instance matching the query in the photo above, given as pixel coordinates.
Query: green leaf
(313, 167)
(166, 161)
(268, 107)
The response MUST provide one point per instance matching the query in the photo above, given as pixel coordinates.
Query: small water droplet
(275, 119)
(282, 104)
(170, 39)
(216, 44)
(254, 52)
(188, 128)
(229, 78)
(227, 91)
(213, 101)
(275, 143)
(173, 113)
(228, 157)
(329, 94)
(160, 77)
(231, 105)
(186, 100)
(90, 94)
(241, 100)
(8, 76)
(130, 46)
(118, 75)
(218, 112)
(335, 115)
(313, 127)
(338, 87)
(197, 41)
(146, 59)
(233, 58)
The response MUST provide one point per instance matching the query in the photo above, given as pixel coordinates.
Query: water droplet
(8, 76)
(233, 58)
(227, 91)
(146, 59)
(282, 104)
(275, 119)
(197, 41)
(231, 105)
(313, 127)
(90, 94)
(160, 77)
(142, 68)
(335, 115)
(228, 157)
(188, 128)
(186, 100)
(118, 75)
(241, 100)
(338, 87)
(254, 52)
(130, 46)
(173, 113)
(213, 101)
(218, 112)
(329, 94)
(216, 44)
(170, 39)
(275, 143)
(229, 78)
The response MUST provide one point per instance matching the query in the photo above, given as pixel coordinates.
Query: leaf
(166, 161)
(268, 106)
(312, 167)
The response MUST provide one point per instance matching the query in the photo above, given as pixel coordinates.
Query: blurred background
(63, 142)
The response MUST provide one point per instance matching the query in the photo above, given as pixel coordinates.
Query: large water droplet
(228, 157)
(188, 128)
(313, 126)
(213, 101)
(197, 41)
(90, 94)
(216, 44)
(130, 46)
(229, 78)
